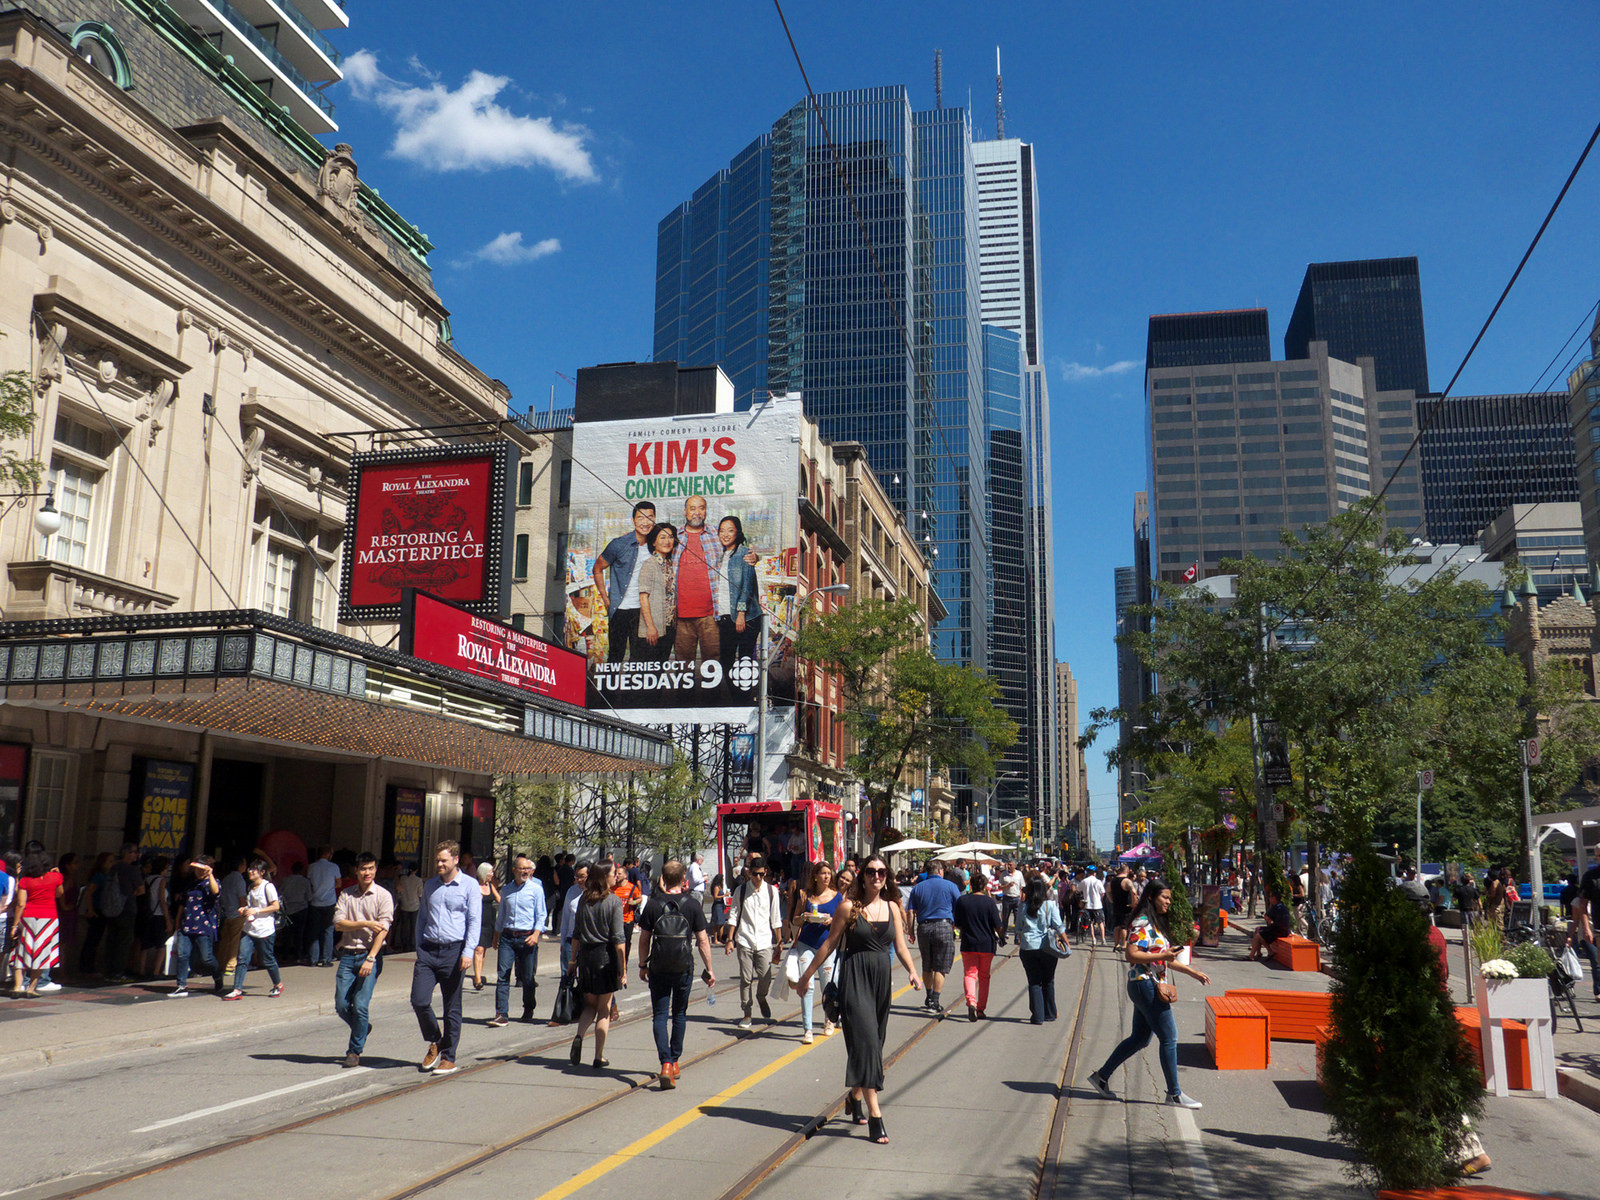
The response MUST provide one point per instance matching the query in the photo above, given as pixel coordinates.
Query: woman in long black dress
(869, 925)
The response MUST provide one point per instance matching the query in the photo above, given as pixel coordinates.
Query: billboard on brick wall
(437, 519)
(682, 562)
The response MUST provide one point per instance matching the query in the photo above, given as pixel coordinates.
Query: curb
(1583, 1088)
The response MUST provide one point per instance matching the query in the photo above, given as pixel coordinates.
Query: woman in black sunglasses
(869, 924)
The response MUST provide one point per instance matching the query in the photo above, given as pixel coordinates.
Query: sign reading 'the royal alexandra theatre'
(436, 519)
(452, 637)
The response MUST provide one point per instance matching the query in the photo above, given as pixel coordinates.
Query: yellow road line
(654, 1138)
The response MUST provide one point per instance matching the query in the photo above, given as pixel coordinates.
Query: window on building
(293, 564)
(524, 484)
(519, 562)
(564, 495)
(519, 621)
(47, 800)
(79, 466)
(560, 565)
(280, 581)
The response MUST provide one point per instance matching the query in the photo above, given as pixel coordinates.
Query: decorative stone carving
(106, 369)
(154, 404)
(8, 211)
(255, 438)
(338, 187)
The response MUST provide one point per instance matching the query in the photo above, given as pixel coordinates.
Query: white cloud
(508, 250)
(1073, 372)
(463, 128)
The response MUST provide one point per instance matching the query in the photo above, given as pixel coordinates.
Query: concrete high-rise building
(1207, 339)
(1583, 415)
(1008, 233)
(1133, 681)
(1242, 450)
(1073, 798)
(1484, 453)
(1367, 307)
(1545, 538)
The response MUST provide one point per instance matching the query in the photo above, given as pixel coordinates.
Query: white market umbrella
(977, 856)
(911, 844)
(969, 847)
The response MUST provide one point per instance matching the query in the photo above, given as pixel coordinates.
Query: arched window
(97, 44)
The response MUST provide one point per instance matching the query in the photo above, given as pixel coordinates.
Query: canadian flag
(1192, 573)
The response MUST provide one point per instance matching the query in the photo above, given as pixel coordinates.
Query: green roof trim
(161, 17)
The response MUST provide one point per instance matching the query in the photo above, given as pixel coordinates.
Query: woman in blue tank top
(809, 922)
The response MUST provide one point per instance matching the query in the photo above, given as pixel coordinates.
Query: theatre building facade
(219, 322)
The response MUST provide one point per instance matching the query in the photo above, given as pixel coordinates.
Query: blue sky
(1189, 157)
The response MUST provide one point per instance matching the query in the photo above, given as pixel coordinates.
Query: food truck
(804, 831)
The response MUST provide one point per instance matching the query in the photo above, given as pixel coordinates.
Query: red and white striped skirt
(38, 944)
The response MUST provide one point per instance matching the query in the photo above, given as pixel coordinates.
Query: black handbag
(830, 1002)
(567, 1005)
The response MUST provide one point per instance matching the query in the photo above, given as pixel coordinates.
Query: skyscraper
(1484, 453)
(1008, 538)
(1207, 339)
(1370, 306)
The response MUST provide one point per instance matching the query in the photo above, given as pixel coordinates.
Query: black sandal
(600, 1063)
(852, 1108)
(575, 1055)
(876, 1131)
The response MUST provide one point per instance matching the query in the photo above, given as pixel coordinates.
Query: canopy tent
(1143, 852)
(911, 844)
(1582, 825)
(958, 855)
(970, 847)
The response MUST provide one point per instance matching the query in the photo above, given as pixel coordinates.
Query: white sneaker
(747, 1023)
(52, 986)
(1183, 1101)
(806, 1039)
(827, 1029)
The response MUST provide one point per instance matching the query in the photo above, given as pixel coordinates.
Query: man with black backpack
(671, 925)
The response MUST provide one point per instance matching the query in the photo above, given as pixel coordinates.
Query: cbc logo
(745, 673)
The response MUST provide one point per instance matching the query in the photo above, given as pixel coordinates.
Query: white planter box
(1528, 1001)
(1513, 999)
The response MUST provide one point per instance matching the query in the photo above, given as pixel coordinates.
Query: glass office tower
(766, 270)
(1008, 540)
(1370, 306)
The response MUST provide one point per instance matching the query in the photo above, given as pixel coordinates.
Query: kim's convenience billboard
(682, 561)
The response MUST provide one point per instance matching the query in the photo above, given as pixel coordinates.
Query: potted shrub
(1180, 917)
(1516, 984)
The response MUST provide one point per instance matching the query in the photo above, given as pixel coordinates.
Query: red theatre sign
(437, 519)
(453, 637)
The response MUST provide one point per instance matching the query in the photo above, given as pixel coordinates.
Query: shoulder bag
(565, 1009)
(1054, 941)
(1167, 991)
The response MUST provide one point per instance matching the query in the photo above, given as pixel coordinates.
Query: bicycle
(1561, 990)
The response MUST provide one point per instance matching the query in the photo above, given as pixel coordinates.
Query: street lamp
(47, 521)
(766, 657)
(988, 800)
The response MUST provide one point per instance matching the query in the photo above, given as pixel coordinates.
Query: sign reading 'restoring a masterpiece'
(436, 519)
(452, 637)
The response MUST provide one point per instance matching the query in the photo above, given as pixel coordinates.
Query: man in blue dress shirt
(517, 929)
(448, 923)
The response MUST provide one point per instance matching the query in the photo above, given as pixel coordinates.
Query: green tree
(903, 708)
(669, 812)
(535, 816)
(1398, 1075)
(18, 469)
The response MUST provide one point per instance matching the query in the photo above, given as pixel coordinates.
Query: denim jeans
(319, 934)
(826, 974)
(200, 948)
(438, 965)
(352, 995)
(515, 954)
(1040, 968)
(669, 998)
(1589, 951)
(269, 960)
(1151, 1016)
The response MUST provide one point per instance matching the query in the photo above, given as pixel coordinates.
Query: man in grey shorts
(932, 904)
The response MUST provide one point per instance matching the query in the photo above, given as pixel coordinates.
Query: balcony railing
(259, 40)
(298, 18)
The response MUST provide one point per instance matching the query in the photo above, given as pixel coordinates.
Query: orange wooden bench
(1236, 1033)
(1291, 1016)
(1518, 1071)
(1476, 1192)
(1297, 953)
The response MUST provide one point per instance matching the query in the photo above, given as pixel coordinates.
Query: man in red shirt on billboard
(697, 558)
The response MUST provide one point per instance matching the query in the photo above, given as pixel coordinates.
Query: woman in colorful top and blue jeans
(813, 915)
(1150, 952)
(197, 926)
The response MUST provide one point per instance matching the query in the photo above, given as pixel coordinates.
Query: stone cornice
(65, 114)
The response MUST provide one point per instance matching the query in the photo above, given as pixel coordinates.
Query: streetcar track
(398, 1092)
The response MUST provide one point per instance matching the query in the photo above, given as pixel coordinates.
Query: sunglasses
(876, 872)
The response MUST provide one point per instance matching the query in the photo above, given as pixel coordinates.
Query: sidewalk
(82, 1024)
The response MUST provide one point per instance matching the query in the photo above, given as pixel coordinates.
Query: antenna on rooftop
(938, 78)
(999, 100)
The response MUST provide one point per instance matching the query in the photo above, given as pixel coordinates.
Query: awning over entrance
(247, 674)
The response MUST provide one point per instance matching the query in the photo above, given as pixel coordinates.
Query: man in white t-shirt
(697, 877)
(1010, 895)
(1093, 890)
(757, 919)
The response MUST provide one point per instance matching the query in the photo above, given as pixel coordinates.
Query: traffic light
(1027, 827)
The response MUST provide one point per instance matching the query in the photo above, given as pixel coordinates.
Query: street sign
(1531, 750)
(981, 820)
(1276, 770)
(1425, 780)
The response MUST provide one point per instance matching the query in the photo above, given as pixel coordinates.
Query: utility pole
(1424, 782)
